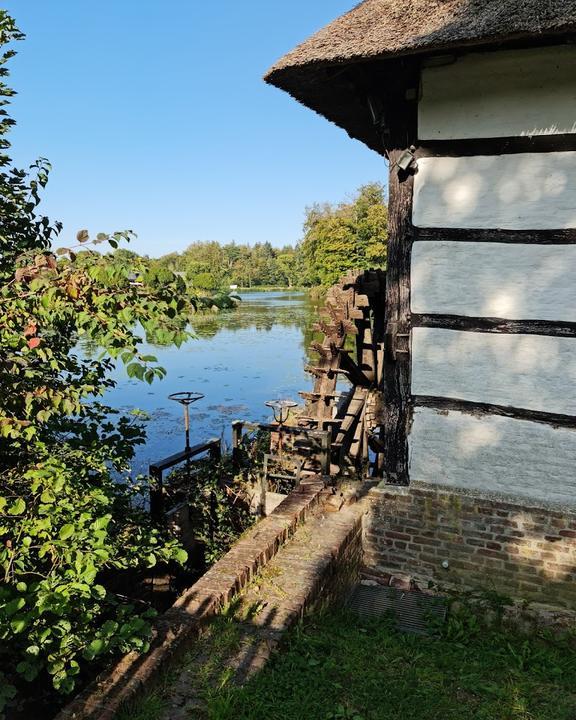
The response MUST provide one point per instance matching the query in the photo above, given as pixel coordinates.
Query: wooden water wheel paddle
(352, 323)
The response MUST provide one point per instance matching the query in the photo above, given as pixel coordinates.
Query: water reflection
(238, 361)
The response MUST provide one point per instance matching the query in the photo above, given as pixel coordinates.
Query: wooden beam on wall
(540, 237)
(401, 121)
(475, 408)
(495, 325)
(496, 146)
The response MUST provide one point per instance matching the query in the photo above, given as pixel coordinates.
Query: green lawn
(338, 667)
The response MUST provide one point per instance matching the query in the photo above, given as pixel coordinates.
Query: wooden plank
(495, 325)
(515, 282)
(520, 92)
(353, 411)
(496, 235)
(495, 146)
(445, 405)
(495, 454)
(354, 373)
(528, 191)
(522, 371)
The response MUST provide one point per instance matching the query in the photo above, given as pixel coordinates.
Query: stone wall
(458, 539)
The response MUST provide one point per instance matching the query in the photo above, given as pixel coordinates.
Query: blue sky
(155, 118)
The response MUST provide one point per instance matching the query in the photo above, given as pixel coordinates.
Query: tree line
(336, 238)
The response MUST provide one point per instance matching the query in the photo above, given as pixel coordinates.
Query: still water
(239, 360)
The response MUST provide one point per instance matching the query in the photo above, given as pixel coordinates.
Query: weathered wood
(318, 372)
(495, 146)
(402, 118)
(353, 413)
(538, 237)
(477, 408)
(354, 373)
(318, 395)
(350, 311)
(337, 330)
(495, 325)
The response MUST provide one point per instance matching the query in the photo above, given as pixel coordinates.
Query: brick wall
(346, 557)
(489, 543)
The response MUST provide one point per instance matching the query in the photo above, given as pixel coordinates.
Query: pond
(239, 360)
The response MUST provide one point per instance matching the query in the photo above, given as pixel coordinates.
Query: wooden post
(401, 120)
(215, 451)
(325, 442)
(237, 428)
(156, 495)
(263, 491)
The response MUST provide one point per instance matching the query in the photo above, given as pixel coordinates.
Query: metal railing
(156, 471)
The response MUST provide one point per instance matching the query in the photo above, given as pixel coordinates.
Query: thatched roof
(386, 29)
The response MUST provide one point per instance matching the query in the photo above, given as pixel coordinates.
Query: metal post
(187, 425)
(186, 399)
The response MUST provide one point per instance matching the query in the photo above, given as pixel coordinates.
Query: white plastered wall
(500, 94)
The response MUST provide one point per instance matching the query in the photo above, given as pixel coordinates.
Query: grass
(337, 667)
(205, 666)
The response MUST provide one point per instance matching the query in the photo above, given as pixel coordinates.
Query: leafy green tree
(204, 281)
(66, 519)
(345, 237)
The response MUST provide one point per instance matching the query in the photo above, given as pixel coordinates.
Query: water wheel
(350, 357)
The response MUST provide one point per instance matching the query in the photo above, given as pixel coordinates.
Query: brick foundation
(524, 551)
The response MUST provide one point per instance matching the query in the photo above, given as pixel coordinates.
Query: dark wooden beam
(401, 116)
(495, 325)
(536, 237)
(496, 146)
(354, 373)
(476, 408)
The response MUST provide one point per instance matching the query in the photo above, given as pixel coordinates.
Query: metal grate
(412, 612)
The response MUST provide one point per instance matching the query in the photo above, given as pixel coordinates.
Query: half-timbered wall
(493, 275)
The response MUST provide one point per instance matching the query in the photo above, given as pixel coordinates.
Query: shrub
(69, 512)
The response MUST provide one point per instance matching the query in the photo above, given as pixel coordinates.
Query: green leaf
(28, 670)
(181, 556)
(17, 508)
(18, 624)
(66, 531)
(13, 606)
(136, 370)
(96, 646)
(99, 592)
(47, 497)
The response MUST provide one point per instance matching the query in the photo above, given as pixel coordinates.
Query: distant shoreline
(269, 288)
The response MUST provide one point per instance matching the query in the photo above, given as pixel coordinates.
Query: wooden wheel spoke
(354, 308)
